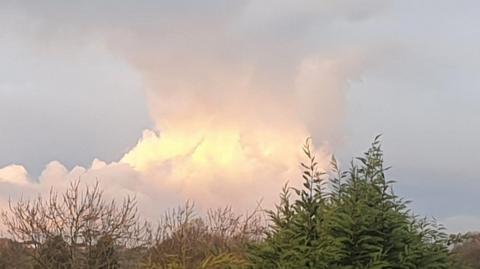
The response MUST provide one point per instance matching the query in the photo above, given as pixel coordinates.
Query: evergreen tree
(298, 236)
(375, 226)
(359, 224)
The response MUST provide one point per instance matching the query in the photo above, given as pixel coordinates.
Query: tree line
(338, 220)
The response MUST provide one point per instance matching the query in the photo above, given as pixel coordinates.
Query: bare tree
(185, 240)
(79, 223)
(465, 250)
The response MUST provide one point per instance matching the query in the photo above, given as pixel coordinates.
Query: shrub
(357, 223)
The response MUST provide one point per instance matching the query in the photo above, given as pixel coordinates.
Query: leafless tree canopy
(212, 241)
(80, 229)
(77, 228)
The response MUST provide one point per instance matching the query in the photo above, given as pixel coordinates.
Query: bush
(358, 223)
(184, 240)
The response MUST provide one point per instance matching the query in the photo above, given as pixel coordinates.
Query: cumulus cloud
(231, 87)
(16, 174)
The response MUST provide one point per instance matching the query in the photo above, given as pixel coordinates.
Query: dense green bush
(351, 220)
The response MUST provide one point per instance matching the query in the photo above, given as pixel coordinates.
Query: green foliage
(298, 236)
(360, 223)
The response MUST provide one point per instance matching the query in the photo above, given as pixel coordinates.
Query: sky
(211, 100)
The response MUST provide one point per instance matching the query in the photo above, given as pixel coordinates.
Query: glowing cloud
(16, 174)
(230, 88)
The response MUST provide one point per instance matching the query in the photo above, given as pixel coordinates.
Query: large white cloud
(231, 89)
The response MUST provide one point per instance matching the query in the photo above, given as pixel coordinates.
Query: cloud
(214, 57)
(245, 174)
(16, 174)
(231, 87)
